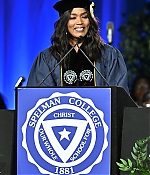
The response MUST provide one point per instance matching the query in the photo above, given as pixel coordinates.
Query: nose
(79, 20)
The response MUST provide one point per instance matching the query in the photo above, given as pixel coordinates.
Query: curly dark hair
(93, 43)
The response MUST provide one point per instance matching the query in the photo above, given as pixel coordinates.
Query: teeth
(79, 29)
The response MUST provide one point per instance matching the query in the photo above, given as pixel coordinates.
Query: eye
(72, 17)
(85, 16)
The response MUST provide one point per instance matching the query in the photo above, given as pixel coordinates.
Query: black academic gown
(111, 65)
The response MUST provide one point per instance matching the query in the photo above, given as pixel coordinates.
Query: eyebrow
(80, 14)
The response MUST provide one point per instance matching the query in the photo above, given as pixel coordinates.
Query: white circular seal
(70, 77)
(65, 134)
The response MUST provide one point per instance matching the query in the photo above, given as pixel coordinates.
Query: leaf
(135, 150)
(130, 163)
(140, 143)
(136, 146)
(145, 148)
(120, 164)
(143, 156)
(134, 156)
(125, 169)
(146, 166)
(124, 162)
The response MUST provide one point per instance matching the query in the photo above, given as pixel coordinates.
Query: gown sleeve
(116, 71)
(39, 71)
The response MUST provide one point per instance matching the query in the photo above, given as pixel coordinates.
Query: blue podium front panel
(63, 131)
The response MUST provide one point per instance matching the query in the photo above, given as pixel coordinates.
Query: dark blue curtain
(26, 27)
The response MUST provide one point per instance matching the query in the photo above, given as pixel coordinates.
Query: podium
(119, 99)
(7, 142)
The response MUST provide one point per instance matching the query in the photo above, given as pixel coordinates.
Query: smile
(79, 29)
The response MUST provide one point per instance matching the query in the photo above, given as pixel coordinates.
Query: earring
(66, 33)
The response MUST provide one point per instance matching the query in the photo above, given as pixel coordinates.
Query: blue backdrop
(26, 27)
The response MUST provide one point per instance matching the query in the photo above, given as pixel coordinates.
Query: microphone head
(80, 39)
(19, 82)
(110, 32)
(110, 25)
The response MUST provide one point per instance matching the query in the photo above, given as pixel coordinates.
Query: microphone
(110, 31)
(78, 42)
(93, 64)
(19, 82)
(80, 39)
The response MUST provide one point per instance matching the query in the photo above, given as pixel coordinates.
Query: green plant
(135, 43)
(141, 162)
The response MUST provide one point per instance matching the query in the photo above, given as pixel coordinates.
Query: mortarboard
(64, 5)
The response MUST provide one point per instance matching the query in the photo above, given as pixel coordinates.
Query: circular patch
(70, 77)
(86, 75)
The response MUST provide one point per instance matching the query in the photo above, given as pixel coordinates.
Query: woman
(140, 86)
(77, 21)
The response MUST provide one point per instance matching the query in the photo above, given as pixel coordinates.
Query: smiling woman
(78, 24)
(77, 32)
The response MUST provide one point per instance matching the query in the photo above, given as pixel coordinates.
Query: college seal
(65, 134)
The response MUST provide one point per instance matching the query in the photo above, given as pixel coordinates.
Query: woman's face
(141, 88)
(78, 24)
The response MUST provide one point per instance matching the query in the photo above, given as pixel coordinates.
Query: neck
(73, 42)
(77, 46)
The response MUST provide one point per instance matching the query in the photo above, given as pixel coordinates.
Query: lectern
(69, 130)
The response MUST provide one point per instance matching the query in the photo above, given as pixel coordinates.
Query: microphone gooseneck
(78, 41)
(19, 82)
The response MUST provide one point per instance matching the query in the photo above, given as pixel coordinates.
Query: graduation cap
(64, 5)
